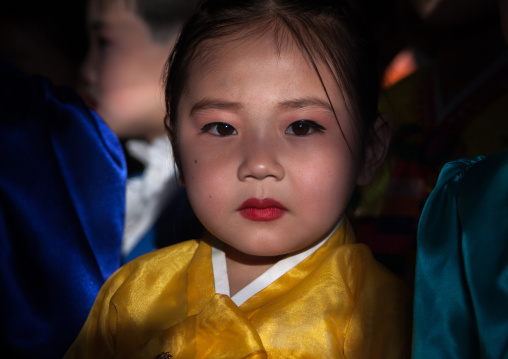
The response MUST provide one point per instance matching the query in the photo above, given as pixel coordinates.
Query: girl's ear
(376, 149)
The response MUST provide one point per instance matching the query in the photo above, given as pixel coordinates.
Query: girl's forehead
(221, 59)
(224, 59)
(240, 52)
(258, 68)
(214, 53)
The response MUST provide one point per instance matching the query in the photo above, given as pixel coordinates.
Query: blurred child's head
(272, 113)
(130, 41)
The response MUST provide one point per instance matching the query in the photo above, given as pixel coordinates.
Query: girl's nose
(261, 160)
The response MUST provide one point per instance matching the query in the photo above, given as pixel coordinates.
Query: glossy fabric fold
(337, 303)
(461, 286)
(62, 188)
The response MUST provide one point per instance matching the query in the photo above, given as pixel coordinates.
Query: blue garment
(461, 285)
(62, 193)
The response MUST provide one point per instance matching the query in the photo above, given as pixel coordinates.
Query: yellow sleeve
(97, 336)
(143, 297)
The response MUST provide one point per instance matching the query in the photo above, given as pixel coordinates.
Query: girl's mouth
(266, 209)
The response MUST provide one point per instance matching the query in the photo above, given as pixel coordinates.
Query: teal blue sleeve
(461, 284)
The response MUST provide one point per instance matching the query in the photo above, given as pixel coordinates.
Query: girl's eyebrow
(305, 102)
(209, 103)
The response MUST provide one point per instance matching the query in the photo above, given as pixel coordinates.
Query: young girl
(272, 113)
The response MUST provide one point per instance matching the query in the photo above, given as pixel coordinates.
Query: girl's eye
(304, 128)
(219, 129)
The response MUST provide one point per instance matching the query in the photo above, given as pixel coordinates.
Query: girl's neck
(243, 269)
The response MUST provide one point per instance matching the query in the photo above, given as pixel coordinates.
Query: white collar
(276, 271)
(147, 194)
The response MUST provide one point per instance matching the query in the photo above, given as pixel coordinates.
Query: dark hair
(327, 32)
(164, 17)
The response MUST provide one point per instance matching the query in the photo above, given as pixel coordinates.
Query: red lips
(266, 209)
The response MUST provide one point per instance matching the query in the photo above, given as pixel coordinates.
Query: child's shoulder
(360, 269)
(172, 256)
(354, 260)
(161, 265)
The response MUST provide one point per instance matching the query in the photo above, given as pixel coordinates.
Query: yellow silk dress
(337, 303)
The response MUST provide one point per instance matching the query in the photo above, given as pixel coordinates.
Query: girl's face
(265, 164)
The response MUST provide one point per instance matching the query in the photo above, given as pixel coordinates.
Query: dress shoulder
(143, 293)
(161, 262)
